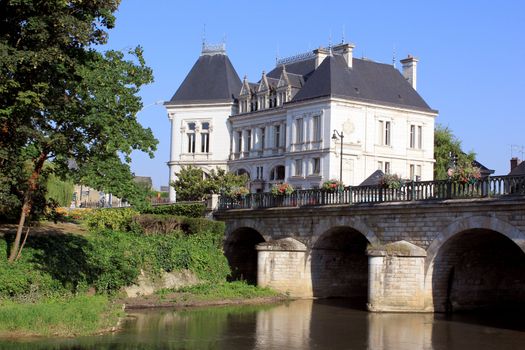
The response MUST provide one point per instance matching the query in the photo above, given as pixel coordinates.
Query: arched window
(243, 171)
(277, 173)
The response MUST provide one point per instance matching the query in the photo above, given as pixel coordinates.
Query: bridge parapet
(490, 187)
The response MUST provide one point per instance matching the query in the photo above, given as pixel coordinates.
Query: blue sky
(471, 56)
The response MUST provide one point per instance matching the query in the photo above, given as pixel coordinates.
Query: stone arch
(475, 222)
(476, 262)
(344, 221)
(339, 264)
(240, 250)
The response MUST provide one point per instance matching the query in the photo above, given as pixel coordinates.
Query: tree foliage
(193, 184)
(60, 99)
(447, 149)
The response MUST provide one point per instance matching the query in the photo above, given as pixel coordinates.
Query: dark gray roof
(272, 81)
(304, 68)
(212, 78)
(482, 169)
(374, 179)
(518, 170)
(366, 80)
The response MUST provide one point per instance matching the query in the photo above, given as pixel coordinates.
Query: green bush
(166, 224)
(118, 219)
(192, 210)
(113, 260)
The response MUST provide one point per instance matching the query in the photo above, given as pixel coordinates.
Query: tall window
(298, 167)
(419, 137)
(384, 135)
(416, 137)
(412, 171)
(248, 141)
(387, 167)
(259, 172)
(316, 120)
(239, 141)
(205, 137)
(277, 136)
(316, 166)
(263, 137)
(412, 139)
(191, 137)
(299, 130)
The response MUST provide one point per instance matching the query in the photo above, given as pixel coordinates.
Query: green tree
(193, 184)
(60, 99)
(445, 146)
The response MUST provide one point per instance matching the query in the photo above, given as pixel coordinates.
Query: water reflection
(304, 324)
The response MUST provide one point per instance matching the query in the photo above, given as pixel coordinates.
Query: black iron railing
(494, 186)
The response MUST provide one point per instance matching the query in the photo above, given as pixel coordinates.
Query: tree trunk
(26, 206)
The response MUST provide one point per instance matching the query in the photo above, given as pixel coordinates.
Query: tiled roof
(366, 80)
(212, 78)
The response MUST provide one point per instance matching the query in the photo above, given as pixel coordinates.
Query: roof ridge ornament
(213, 49)
(296, 58)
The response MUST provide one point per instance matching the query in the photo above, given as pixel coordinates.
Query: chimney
(514, 162)
(410, 70)
(345, 50)
(320, 55)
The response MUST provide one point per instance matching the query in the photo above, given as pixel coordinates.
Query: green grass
(227, 290)
(78, 315)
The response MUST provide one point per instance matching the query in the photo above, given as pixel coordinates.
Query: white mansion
(281, 128)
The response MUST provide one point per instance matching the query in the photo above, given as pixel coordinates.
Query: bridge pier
(396, 278)
(284, 266)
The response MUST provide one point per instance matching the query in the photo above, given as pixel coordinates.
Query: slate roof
(374, 179)
(303, 68)
(212, 79)
(366, 80)
(519, 169)
(483, 169)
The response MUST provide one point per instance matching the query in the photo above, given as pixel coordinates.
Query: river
(302, 324)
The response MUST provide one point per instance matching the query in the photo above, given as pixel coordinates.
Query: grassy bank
(227, 290)
(73, 316)
(207, 294)
(45, 291)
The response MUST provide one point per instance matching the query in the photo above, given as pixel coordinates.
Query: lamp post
(336, 136)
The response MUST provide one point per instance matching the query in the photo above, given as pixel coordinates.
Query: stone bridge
(419, 256)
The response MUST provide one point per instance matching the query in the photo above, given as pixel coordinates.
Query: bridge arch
(240, 250)
(339, 264)
(476, 262)
(339, 221)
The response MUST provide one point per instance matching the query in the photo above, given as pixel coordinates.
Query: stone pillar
(396, 279)
(282, 265)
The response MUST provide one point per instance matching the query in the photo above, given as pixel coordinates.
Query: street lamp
(336, 136)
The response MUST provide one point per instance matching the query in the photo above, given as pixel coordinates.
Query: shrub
(165, 224)
(25, 279)
(114, 260)
(193, 210)
(118, 219)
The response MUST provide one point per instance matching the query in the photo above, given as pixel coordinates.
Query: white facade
(407, 151)
(199, 137)
(269, 133)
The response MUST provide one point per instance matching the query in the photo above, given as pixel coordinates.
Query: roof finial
(394, 56)
(204, 36)
(343, 35)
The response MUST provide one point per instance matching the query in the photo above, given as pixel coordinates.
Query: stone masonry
(413, 251)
